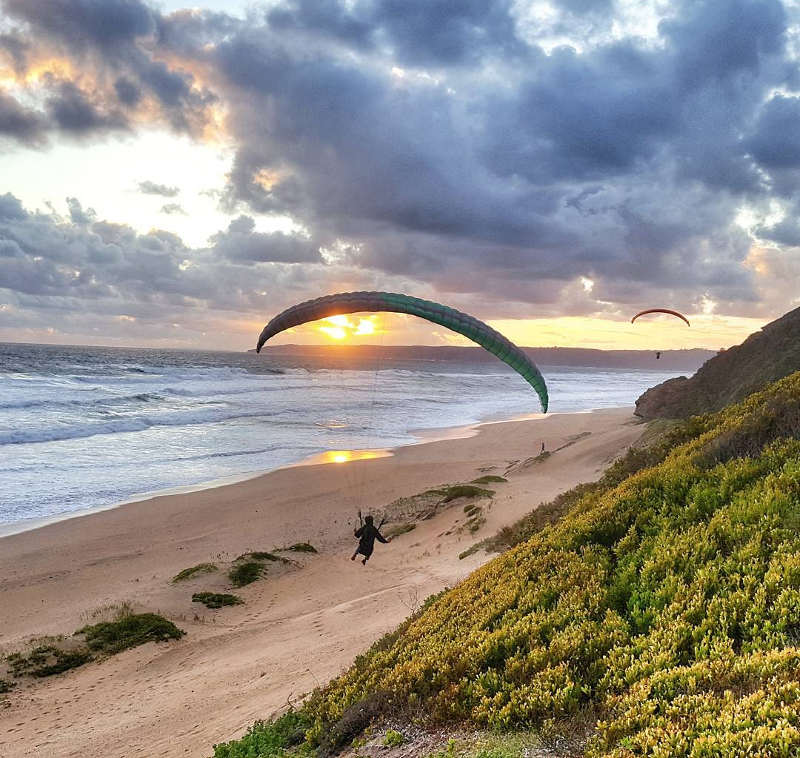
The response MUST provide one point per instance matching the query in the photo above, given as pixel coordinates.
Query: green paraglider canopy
(373, 302)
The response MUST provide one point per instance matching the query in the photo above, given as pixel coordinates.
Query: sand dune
(299, 626)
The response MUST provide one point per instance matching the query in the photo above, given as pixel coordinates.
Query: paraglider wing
(661, 310)
(360, 302)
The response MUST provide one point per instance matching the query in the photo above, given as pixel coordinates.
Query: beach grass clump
(54, 655)
(46, 660)
(216, 599)
(246, 573)
(456, 491)
(302, 547)
(489, 479)
(262, 555)
(129, 631)
(270, 739)
(471, 550)
(6, 686)
(395, 530)
(193, 571)
(667, 602)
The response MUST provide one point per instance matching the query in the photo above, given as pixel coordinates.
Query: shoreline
(422, 436)
(301, 624)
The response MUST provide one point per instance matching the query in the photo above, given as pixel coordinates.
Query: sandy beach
(300, 625)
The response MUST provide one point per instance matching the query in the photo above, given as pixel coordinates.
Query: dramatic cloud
(493, 153)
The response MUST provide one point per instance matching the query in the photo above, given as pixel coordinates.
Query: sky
(175, 175)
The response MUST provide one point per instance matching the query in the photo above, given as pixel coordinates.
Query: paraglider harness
(367, 533)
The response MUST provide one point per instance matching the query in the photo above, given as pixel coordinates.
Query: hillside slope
(730, 376)
(667, 606)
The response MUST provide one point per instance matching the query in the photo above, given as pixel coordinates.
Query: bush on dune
(246, 573)
(129, 631)
(668, 600)
(267, 740)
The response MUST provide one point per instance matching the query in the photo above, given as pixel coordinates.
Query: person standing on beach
(367, 533)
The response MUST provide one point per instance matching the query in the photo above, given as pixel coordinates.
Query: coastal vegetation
(302, 547)
(193, 571)
(130, 630)
(655, 612)
(216, 599)
(245, 573)
(46, 660)
(455, 491)
(489, 479)
(55, 655)
(261, 555)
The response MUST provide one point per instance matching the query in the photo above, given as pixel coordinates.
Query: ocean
(88, 427)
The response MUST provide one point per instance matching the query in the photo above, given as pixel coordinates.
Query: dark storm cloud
(776, 142)
(240, 243)
(73, 112)
(153, 188)
(441, 32)
(113, 43)
(87, 23)
(127, 92)
(328, 17)
(436, 142)
(417, 32)
(20, 123)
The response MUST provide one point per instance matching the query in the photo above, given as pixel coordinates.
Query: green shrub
(129, 631)
(489, 479)
(245, 573)
(189, 573)
(260, 555)
(393, 738)
(6, 686)
(47, 660)
(463, 490)
(267, 739)
(216, 599)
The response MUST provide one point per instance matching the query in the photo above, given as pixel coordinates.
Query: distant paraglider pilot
(367, 533)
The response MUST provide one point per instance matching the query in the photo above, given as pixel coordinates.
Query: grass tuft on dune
(193, 571)
(216, 599)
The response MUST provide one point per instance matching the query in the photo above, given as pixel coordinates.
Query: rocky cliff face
(730, 376)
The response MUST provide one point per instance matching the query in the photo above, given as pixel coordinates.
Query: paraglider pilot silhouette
(367, 533)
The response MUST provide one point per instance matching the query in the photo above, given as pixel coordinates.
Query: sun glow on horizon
(340, 327)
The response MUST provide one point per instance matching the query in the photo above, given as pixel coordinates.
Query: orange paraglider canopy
(661, 310)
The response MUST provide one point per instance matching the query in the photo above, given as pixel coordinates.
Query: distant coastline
(680, 360)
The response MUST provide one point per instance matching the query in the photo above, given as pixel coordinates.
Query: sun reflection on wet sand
(345, 456)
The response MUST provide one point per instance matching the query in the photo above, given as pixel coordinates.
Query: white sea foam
(88, 427)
